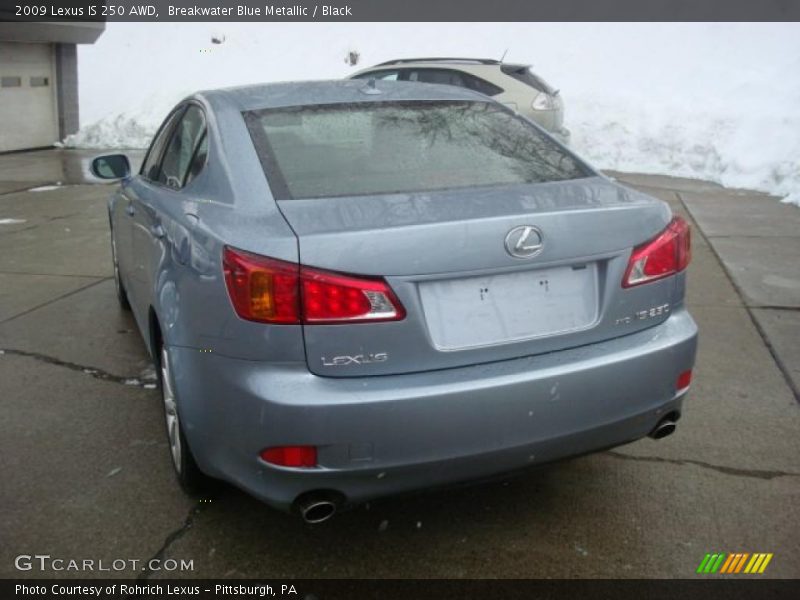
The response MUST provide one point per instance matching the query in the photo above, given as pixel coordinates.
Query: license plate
(497, 309)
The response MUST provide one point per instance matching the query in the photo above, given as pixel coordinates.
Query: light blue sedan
(355, 288)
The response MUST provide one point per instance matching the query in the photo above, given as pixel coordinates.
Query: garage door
(27, 97)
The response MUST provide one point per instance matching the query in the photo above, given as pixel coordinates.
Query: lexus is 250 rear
(355, 289)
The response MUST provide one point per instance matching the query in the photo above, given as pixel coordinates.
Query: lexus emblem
(524, 241)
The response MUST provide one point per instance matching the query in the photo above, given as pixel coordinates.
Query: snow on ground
(710, 101)
(44, 188)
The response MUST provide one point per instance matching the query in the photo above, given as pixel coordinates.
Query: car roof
(307, 93)
(482, 64)
(481, 61)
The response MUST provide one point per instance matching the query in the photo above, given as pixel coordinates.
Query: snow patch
(44, 188)
(12, 221)
(737, 150)
(131, 128)
(793, 198)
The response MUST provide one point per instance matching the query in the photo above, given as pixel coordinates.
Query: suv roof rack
(480, 61)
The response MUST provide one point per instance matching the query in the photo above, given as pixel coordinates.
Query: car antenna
(504, 55)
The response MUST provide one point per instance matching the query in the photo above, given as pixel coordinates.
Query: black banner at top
(398, 10)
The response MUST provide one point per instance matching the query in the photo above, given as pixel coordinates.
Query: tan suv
(514, 85)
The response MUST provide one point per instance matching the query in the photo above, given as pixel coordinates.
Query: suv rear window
(395, 147)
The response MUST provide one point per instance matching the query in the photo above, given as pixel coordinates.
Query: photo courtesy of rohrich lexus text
(400, 300)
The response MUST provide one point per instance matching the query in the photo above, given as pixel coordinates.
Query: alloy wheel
(171, 411)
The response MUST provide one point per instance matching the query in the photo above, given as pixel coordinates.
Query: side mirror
(111, 166)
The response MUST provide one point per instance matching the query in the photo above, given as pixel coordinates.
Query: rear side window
(383, 75)
(186, 138)
(480, 85)
(393, 147)
(441, 76)
(152, 160)
(199, 160)
(451, 77)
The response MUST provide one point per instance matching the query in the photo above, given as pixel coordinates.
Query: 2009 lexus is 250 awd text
(355, 288)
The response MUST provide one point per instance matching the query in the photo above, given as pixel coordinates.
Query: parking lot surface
(86, 471)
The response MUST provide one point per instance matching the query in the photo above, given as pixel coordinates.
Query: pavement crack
(45, 221)
(25, 186)
(735, 471)
(56, 299)
(94, 372)
(4, 272)
(171, 538)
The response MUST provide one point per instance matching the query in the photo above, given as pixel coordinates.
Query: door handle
(157, 230)
(130, 210)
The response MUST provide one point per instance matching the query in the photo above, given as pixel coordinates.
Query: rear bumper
(384, 435)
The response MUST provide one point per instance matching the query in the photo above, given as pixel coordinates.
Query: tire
(122, 294)
(189, 476)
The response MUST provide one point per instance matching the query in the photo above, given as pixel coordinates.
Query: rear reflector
(291, 456)
(667, 254)
(684, 380)
(274, 291)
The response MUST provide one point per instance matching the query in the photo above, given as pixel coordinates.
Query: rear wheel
(189, 475)
(122, 295)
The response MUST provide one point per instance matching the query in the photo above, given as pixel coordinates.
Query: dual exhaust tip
(665, 427)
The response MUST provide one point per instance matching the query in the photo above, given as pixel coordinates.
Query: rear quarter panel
(228, 203)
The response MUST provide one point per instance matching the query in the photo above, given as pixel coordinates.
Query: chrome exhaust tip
(315, 509)
(663, 429)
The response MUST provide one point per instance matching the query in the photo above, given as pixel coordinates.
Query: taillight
(261, 288)
(291, 456)
(665, 255)
(332, 298)
(274, 291)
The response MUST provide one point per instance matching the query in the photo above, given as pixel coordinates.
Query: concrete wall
(66, 58)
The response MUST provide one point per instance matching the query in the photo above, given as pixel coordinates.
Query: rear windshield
(388, 147)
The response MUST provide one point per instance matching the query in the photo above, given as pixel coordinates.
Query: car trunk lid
(467, 299)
